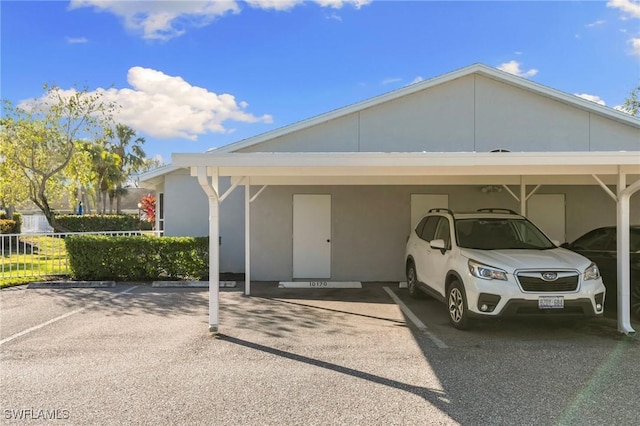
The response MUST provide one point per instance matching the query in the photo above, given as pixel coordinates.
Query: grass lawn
(38, 257)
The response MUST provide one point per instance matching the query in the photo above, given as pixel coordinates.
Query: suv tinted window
(442, 231)
(598, 239)
(420, 226)
(429, 229)
(634, 240)
(500, 233)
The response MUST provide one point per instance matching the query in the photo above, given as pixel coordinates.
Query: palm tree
(106, 169)
(132, 158)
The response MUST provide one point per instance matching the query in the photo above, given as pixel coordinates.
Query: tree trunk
(118, 199)
(85, 201)
(111, 196)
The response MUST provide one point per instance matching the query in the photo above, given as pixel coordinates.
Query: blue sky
(195, 75)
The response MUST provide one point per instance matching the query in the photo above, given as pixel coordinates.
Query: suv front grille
(532, 281)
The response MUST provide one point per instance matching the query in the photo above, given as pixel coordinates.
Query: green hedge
(137, 258)
(97, 223)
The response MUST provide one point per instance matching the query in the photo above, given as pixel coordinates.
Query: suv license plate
(550, 302)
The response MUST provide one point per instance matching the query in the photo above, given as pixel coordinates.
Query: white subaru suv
(495, 263)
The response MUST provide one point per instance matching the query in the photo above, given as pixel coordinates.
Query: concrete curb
(72, 284)
(192, 284)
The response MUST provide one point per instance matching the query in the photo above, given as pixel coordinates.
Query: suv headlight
(486, 272)
(591, 273)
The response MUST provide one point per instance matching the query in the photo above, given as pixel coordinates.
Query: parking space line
(414, 319)
(56, 319)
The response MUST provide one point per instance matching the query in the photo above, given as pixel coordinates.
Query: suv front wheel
(412, 282)
(457, 306)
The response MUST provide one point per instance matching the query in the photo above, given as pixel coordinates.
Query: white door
(421, 203)
(547, 212)
(311, 236)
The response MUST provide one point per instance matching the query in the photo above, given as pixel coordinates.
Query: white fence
(41, 254)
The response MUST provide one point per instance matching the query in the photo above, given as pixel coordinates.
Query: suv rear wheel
(457, 305)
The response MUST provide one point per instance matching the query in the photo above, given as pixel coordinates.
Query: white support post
(212, 190)
(624, 274)
(247, 237)
(523, 197)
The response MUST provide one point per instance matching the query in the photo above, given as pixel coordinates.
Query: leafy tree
(81, 173)
(632, 103)
(39, 139)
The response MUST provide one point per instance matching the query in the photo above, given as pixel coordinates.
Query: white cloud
(77, 40)
(628, 7)
(391, 80)
(592, 98)
(513, 67)
(635, 46)
(163, 20)
(273, 4)
(338, 4)
(158, 159)
(418, 79)
(596, 23)
(164, 106)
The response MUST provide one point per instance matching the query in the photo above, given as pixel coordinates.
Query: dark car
(600, 245)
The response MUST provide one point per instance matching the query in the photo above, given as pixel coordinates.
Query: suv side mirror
(438, 244)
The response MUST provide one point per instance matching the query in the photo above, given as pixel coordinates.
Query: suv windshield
(493, 234)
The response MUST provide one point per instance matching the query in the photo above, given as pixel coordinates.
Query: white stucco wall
(607, 135)
(339, 135)
(438, 119)
(370, 223)
(186, 213)
(185, 206)
(472, 113)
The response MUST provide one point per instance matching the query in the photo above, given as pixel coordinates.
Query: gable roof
(479, 69)
(155, 177)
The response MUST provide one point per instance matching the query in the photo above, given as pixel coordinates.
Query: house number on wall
(317, 284)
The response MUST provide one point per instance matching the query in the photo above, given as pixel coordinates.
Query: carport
(520, 174)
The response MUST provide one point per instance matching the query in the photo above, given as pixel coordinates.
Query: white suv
(495, 263)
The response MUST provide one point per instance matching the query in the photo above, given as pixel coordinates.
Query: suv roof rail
(441, 209)
(498, 210)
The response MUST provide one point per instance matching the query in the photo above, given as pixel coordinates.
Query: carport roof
(397, 168)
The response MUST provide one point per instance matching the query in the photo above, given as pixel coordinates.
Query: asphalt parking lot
(143, 355)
